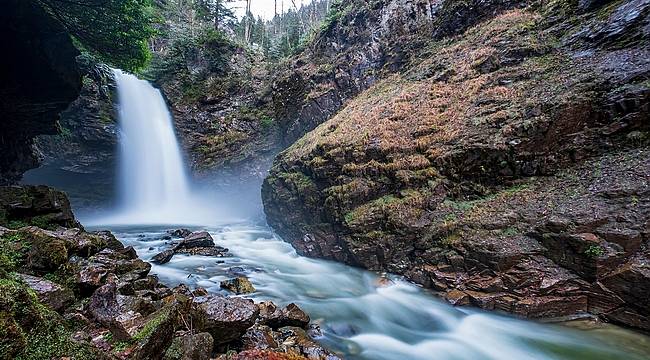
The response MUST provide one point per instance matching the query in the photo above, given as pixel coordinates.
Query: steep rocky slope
(506, 166)
(40, 78)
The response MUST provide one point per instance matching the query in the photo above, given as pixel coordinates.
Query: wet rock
(179, 233)
(196, 240)
(163, 257)
(240, 285)
(156, 333)
(214, 251)
(190, 347)
(258, 337)
(126, 325)
(294, 316)
(46, 252)
(36, 205)
(103, 305)
(49, 293)
(226, 319)
(296, 339)
(200, 292)
(275, 317)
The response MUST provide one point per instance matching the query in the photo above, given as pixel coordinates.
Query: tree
(117, 31)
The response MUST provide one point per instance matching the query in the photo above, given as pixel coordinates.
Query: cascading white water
(153, 185)
(152, 173)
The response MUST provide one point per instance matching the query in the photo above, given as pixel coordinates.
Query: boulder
(239, 285)
(196, 240)
(276, 318)
(162, 257)
(214, 251)
(36, 205)
(226, 319)
(259, 337)
(156, 333)
(46, 251)
(179, 233)
(190, 347)
(49, 293)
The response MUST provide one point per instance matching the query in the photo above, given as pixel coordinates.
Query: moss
(152, 325)
(16, 224)
(12, 252)
(33, 330)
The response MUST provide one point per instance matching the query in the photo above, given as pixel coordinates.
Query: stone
(46, 252)
(179, 233)
(163, 257)
(49, 293)
(41, 206)
(190, 347)
(214, 251)
(239, 285)
(294, 316)
(258, 337)
(276, 318)
(156, 333)
(226, 319)
(196, 240)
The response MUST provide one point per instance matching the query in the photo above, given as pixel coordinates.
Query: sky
(264, 8)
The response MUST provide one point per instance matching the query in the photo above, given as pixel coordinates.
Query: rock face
(505, 166)
(81, 159)
(37, 205)
(40, 78)
(89, 297)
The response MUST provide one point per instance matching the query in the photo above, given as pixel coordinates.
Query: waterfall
(153, 185)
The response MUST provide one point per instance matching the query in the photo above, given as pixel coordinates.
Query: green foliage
(594, 251)
(207, 45)
(117, 31)
(266, 121)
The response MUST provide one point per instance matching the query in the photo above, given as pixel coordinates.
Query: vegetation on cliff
(419, 174)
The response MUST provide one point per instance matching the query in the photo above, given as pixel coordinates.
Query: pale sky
(264, 8)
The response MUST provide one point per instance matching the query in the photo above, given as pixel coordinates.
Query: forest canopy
(117, 31)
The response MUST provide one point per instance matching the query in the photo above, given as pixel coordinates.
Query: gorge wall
(39, 80)
(499, 155)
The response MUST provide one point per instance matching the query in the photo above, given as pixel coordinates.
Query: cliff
(504, 164)
(40, 78)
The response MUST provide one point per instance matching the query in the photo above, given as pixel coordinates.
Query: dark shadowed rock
(226, 319)
(36, 205)
(179, 233)
(275, 317)
(46, 251)
(190, 347)
(163, 257)
(196, 240)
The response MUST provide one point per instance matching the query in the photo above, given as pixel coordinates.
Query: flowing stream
(362, 315)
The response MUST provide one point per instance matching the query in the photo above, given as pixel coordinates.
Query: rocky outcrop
(40, 78)
(197, 243)
(505, 166)
(67, 293)
(81, 159)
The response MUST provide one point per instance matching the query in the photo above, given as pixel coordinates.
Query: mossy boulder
(239, 285)
(190, 347)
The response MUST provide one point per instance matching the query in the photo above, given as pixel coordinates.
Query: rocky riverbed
(66, 292)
